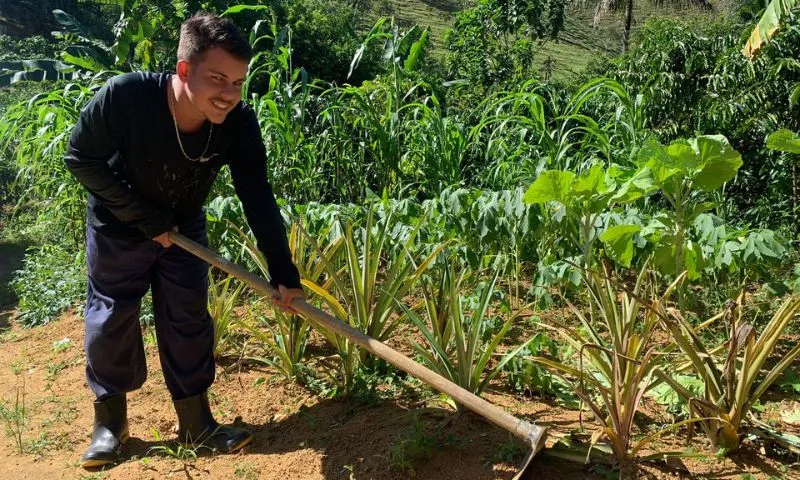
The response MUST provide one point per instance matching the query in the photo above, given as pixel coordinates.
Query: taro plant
(458, 345)
(583, 198)
(223, 297)
(685, 173)
(731, 373)
(618, 359)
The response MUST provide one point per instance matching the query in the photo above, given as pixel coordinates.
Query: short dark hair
(204, 31)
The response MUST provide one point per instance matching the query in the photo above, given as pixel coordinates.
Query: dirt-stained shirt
(124, 149)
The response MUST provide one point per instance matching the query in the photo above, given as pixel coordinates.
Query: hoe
(533, 435)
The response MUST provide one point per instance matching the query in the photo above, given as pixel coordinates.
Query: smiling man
(148, 147)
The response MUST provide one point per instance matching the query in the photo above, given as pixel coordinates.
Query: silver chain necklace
(202, 158)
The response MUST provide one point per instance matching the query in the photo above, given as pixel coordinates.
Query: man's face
(215, 84)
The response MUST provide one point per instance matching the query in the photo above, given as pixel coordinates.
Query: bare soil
(298, 435)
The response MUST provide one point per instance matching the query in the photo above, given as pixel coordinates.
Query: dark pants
(120, 272)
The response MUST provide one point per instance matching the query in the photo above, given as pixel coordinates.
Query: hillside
(579, 42)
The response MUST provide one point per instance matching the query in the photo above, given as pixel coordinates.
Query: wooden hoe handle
(531, 434)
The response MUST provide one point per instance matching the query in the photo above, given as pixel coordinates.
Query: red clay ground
(297, 434)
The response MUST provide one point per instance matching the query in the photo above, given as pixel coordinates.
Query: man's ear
(182, 69)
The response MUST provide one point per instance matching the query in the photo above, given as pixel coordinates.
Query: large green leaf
(375, 33)
(242, 8)
(87, 58)
(682, 156)
(768, 26)
(591, 181)
(416, 51)
(619, 242)
(637, 186)
(551, 186)
(784, 141)
(719, 161)
(664, 257)
(32, 70)
(656, 157)
(70, 24)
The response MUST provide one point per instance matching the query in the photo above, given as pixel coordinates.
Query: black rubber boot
(196, 426)
(110, 432)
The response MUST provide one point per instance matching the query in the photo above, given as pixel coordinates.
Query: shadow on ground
(11, 256)
(385, 441)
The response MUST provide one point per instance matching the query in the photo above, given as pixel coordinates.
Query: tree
(604, 7)
(495, 41)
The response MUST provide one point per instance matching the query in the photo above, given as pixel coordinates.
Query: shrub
(51, 281)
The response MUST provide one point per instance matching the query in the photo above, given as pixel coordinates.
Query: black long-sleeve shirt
(124, 150)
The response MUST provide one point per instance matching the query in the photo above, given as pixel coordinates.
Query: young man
(148, 147)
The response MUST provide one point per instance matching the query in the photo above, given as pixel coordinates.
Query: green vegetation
(532, 220)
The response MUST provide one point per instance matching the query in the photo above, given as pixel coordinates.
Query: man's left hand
(283, 299)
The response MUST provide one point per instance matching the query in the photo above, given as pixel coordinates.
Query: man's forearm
(98, 178)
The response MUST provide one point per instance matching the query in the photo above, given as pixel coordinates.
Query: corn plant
(35, 135)
(282, 112)
(223, 296)
(618, 359)
(566, 134)
(733, 383)
(437, 147)
(457, 346)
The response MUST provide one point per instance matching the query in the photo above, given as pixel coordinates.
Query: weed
(54, 369)
(18, 364)
(43, 442)
(15, 417)
(404, 453)
(146, 463)
(246, 471)
(93, 476)
(508, 452)
(186, 455)
(149, 337)
(177, 450)
(8, 335)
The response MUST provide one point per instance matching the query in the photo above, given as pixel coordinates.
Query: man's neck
(189, 120)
